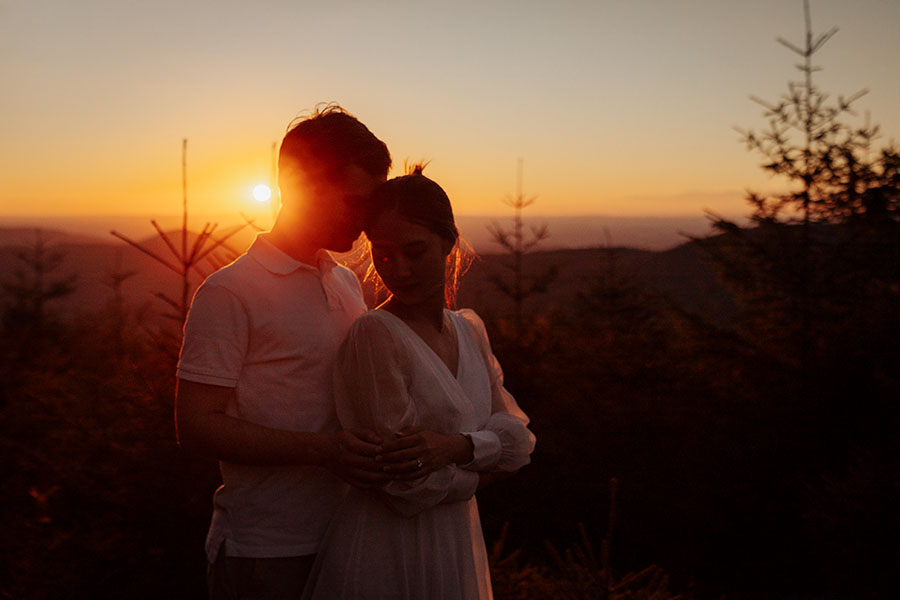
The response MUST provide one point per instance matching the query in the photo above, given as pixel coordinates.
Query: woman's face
(410, 258)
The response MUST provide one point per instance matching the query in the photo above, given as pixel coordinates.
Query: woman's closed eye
(415, 250)
(388, 254)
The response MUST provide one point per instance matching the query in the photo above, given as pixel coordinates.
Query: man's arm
(203, 427)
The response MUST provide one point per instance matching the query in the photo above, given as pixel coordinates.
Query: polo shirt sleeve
(215, 338)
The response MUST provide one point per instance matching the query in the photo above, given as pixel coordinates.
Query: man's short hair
(320, 146)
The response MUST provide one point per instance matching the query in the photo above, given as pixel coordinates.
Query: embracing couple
(351, 443)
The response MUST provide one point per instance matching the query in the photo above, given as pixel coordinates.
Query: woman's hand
(416, 452)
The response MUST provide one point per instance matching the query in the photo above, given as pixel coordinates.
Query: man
(254, 375)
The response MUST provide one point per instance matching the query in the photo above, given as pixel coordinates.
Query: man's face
(337, 208)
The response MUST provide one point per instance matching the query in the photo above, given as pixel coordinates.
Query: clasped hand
(415, 452)
(364, 459)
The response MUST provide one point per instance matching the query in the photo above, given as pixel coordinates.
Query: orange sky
(619, 108)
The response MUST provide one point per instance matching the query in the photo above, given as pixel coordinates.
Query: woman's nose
(401, 267)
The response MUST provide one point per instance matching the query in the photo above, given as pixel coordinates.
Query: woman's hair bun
(415, 168)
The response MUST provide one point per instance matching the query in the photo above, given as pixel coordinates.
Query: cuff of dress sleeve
(485, 450)
(465, 483)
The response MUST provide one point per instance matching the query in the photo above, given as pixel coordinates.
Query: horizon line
(463, 214)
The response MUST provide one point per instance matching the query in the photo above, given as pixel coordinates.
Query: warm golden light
(662, 145)
(262, 193)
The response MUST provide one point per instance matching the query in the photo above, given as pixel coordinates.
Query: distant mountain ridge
(590, 231)
(26, 236)
(582, 231)
(682, 273)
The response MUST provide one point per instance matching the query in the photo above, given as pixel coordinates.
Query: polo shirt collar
(275, 260)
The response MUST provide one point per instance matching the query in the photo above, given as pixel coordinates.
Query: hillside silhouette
(681, 273)
(581, 231)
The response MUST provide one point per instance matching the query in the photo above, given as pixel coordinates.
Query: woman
(413, 368)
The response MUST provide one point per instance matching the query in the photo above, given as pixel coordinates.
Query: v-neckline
(434, 354)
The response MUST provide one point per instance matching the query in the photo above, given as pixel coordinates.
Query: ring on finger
(419, 463)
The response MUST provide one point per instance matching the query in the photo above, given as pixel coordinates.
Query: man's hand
(351, 455)
(417, 452)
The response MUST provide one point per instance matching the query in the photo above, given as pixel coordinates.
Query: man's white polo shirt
(270, 326)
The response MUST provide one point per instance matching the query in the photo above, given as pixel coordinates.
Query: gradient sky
(618, 107)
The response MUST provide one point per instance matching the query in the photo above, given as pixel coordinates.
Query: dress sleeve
(371, 392)
(505, 443)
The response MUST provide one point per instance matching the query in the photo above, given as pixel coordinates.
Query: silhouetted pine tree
(36, 284)
(818, 279)
(520, 286)
(185, 259)
(805, 261)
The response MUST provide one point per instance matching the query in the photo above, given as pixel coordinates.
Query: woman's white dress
(418, 539)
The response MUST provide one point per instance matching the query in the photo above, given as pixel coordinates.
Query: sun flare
(262, 193)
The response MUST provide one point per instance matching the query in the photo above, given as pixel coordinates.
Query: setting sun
(262, 193)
